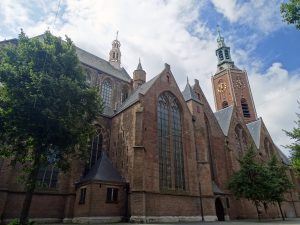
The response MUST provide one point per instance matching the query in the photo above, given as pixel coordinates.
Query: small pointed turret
(115, 53)
(139, 76)
(139, 67)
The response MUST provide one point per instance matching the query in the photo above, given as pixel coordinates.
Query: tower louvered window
(245, 108)
(171, 162)
(106, 92)
(227, 54)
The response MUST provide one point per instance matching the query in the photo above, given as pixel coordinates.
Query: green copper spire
(220, 39)
(223, 53)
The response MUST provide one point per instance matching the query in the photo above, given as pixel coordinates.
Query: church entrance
(219, 210)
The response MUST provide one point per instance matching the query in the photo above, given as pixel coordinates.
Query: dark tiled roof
(104, 171)
(98, 63)
(102, 65)
(283, 157)
(255, 130)
(223, 117)
(134, 97)
(189, 94)
(216, 189)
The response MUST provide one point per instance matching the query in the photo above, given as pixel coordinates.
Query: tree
(290, 12)
(278, 181)
(46, 107)
(295, 147)
(251, 181)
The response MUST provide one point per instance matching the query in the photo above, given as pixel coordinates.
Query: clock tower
(231, 85)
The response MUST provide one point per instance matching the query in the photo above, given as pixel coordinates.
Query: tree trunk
(279, 204)
(29, 188)
(257, 210)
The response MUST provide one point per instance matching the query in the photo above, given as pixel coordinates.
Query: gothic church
(160, 154)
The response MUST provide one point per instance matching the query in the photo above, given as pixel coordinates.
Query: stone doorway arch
(219, 210)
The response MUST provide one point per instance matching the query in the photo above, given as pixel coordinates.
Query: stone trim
(98, 219)
(170, 219)
(37, 220)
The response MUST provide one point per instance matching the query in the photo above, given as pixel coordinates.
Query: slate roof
(283, 157)
(189, 94)
(102, 65)
(223, 117)
(134, 97)
(216, 189)
(255, 130)
(98, 63)
(104, 171)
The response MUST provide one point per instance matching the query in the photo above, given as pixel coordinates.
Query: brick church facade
(160, 154)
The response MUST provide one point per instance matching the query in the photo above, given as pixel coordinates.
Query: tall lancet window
(106, 92)
(171, 162)
(245, 108)
(96, 148)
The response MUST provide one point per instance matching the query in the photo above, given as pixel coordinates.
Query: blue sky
(183, 34)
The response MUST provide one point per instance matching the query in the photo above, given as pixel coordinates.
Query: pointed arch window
(245, 108)
(268, 147)
(171, 162)
(124, 94)
(241, 140)
(209, 149)
(224, 104)
(106, 92)
(96, 148)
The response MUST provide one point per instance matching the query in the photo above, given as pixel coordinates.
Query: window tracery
(171, 162)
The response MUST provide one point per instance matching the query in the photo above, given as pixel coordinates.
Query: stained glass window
(96, 148)
(106, 92)
(171, 165)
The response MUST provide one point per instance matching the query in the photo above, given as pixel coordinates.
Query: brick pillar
(137, 196)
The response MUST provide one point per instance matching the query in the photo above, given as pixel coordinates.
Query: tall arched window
(106, 92)
(224, 104)
(209, 149)
(245, 108)
(96, 148)
(268, 147)
(241, 140)
(171, 163)
(124, 94)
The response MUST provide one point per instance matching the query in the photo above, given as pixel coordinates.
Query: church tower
(115, 54)
(231, 85)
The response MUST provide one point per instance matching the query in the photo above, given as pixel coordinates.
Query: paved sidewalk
(289, 221)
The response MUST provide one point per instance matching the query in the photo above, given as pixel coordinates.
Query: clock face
(239, 83)
(222, 87)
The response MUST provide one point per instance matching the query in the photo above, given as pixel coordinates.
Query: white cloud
(276, 93)
(169, 31)
(262, 16)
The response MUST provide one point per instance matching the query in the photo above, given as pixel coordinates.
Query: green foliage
(250, 181)
(295, 147)
(260, 182)
(278, 181)
(290, 12)
(46, 107)
(17, 222)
